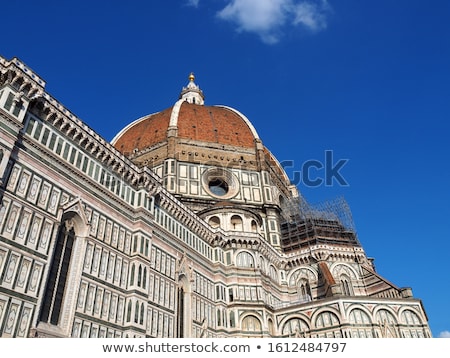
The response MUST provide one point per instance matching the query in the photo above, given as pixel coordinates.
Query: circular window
(220, 183)
(218, 187)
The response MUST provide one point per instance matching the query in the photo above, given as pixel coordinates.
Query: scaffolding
(303, 224)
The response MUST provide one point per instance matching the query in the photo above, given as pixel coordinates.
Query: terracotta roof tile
(202, 123)
(145, 133)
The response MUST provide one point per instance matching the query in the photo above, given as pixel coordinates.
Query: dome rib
(143, 133)
(215, 124)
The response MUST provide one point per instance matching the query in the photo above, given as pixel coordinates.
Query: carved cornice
(20, 77)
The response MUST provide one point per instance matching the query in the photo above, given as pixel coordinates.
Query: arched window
(273, 273)
(180, 318)
(304, 290)
(261, 264)
(410, 318)
(147, 246)
(245, 259)
(135, 244)
(136, 312)
(232, 319)
(236, 223)
(359, 317)
(254, 226)
(271, 328)
(141, 320)
(54, 293)
(133, 269)
(129, 312)
(251, 324)
(224, 317)
(295, 327)
(214, 222)
(139, 280)
(346, 286)
(385, 315)
(413, 325)
(328, 324)
(386, 323)
(361, 325)
(144, 279)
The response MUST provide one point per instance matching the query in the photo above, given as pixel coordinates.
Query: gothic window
(54, 293)
(135, 244)
(254, 226)
(304, 290)
(224, 318)
(133, 269)
(232, 319)
(129, 312)
(219, 321)
(139, 280)
(147, 244)
(180, 317)
(144, 279)
(136, 312)
(141, 320)
(346, 286)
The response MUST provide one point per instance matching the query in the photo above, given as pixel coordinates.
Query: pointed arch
(346, 285)
(57, 307)
(184, 312)
(58, 276)
(304, 290)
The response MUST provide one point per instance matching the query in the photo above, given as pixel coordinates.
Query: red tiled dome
(144, 132)
(215, 124)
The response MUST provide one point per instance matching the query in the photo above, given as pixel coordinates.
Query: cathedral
(184, 225)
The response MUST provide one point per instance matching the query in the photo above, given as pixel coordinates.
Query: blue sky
(368, 80)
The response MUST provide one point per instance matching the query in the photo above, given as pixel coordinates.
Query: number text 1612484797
(303, 347)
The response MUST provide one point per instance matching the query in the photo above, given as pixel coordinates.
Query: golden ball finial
(191, 77)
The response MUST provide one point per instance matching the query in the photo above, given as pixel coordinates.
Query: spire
(192, 93)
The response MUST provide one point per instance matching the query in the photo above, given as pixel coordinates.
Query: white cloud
(268, 18)
(444, 334)
(312, 15)
(193, 3)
